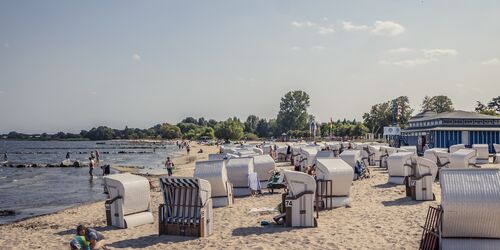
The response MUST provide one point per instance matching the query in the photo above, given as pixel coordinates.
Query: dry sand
(381, 217)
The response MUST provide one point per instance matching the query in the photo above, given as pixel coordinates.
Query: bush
(251, 136)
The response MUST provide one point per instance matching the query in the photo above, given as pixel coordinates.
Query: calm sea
(35, 191)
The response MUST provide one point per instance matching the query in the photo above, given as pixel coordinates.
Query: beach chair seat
(419, 184)
(237, 173)
(399, 167)
(333, 183)
(215, 172)
(482, 153)
(298, 201)
(187, 207)
(463, 158)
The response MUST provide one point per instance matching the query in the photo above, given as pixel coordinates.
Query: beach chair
(298, 201)
(129, 202)
(469, 215)
(307, 157)
(237, 173)
(187, 208)
(419, 184)
(456, 147)
(463, 158)
(496, 156)
(412, 149)
(482, 153)
(373, 155)
(399, 167)
(215, 172)
(351, 157)
(333, 183)
(264, 166)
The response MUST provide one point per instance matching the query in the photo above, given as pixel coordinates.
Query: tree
(401, 104)
(493, 107)
(185, 127)
(438, 104)
(101, 133)
(168, 131)
(230, 129)
(251, 123)
(212, 123)
(189, 120)
(379, 116)
(495, 104)
(262, 128)
(202, 122)
(293, 111)
(273, 128)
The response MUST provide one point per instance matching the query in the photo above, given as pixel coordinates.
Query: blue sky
(69, 66)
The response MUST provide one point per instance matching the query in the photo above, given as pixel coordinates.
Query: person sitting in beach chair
(361, 170)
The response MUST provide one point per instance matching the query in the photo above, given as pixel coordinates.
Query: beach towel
(253, 181)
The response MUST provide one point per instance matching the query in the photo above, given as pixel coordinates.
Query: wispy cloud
(439, 52)
(318, 48)
(299, 24)
(136, 57)
(493, 61)
(93, 93)
(349, 26)
(296, 48)
(408, 62)
(6, 45)
(388, 28)
(325, 30)
(401, 50)
(2, 92)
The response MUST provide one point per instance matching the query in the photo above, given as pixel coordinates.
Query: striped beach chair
(187, 208)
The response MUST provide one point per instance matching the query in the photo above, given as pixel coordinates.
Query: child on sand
(93, 239)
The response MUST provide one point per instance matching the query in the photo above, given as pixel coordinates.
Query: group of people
(87, 239)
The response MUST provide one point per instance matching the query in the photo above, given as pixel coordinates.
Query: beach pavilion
(449, 128)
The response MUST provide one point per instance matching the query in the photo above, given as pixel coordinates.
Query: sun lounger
(187, 208)
(399, 167)
(215, 172)
(237, 173)
(129, 202)
(463, 158)
(333, 181)
(482, 153)
(299, 200)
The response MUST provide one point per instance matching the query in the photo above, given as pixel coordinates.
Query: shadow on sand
(150, 240)
(99, 229)
(385, 185)
(270, 229)
(404, 201)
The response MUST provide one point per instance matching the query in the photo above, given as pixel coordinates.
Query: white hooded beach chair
(237, 173)
(264, 166)
(385, 151)
(482, 153)
(399, 167)
(246, 153)
(419, 185)
(456, 147)
(187, 208)
(215, 172)
(374, 155)
(333, 183)
(258, 150)
(299, 200)
(496, 157)
(470, 201)
(129, 202)
(412, 149)
(462, 158)
(469, 215)
(351, 157)
(307, 157)
(325, 154)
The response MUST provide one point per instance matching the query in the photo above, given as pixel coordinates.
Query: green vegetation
(230, 129)
(492, 108)
(438, 104)
(293, 112)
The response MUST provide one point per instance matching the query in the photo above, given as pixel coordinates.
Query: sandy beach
(380, 217)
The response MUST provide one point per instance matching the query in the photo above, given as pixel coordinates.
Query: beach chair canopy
(263, 166)
(338, 171)
(462, 158)
(298, 182)
(470, 199)
(396, 164)
(351, 157)
(412, 149)
(456, 147)
(325, 154)
(215, 173)
(482, 152)
(238, 170)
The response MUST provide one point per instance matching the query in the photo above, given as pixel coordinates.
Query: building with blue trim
(457, 127)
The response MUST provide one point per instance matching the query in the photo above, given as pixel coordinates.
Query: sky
(73, 65)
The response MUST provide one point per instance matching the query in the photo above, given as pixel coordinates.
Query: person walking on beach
(188, 148)
(5, 158)
(67, 156)
(169, 164)
(91, 167)
(97, 156)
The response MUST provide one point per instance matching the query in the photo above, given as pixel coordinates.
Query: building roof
(451, 129)
(457, 114)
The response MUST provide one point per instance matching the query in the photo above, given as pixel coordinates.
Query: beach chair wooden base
(181, 228)
(431, 232)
